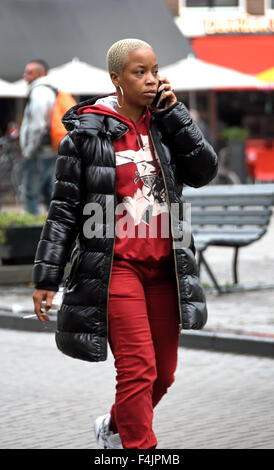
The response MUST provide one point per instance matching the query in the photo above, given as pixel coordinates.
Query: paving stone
(218, 400)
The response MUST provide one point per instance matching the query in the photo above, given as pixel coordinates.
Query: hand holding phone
(158, 102)
(170, 98)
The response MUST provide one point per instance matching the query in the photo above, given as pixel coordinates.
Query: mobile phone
(158, 102)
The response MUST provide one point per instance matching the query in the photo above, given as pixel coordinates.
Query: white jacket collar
(39, 81)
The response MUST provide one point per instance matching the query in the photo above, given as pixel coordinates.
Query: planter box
(21, 244)
(237, 159)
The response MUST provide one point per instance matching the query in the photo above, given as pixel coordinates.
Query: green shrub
(234, 133)
(8, 219)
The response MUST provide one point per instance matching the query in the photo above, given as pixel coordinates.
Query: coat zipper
(111, 264)
(175, 261)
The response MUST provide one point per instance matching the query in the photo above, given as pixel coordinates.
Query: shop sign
(248, 24)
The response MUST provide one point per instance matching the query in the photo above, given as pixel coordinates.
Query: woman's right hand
(38, 296)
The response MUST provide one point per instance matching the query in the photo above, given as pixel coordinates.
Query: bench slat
(228, 219)
(230, 211)
(225, 239)
(240, 231)
(229, 200)
(235, 189)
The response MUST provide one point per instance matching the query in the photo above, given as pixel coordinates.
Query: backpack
(64, 101)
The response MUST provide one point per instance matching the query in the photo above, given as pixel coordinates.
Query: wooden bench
(228, 215)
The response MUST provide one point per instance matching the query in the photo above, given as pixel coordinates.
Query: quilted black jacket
(85, 173)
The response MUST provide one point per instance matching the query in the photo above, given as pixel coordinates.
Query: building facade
(237, 34)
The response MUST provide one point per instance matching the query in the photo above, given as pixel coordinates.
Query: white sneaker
(105, 438)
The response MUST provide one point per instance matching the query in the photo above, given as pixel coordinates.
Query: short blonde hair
(118, 52)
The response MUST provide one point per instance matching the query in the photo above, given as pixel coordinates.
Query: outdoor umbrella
(195, 74)
(267, 76)
(7, 89)
(76, 77)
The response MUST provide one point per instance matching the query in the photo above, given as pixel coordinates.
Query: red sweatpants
(143, 337)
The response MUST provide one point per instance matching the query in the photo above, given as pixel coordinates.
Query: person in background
(38, 165)
(133, 287)
(194, 113)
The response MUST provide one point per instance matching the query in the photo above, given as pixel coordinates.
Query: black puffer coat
(85, 172)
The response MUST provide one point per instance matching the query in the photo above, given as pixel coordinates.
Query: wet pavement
(243, 315)
(248, 312)
(220, 399)
(49, 401)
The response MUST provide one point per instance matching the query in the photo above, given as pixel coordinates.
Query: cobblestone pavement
(248, 312)
(49, 401)
(218, 401)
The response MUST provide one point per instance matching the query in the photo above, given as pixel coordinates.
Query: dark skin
(140, 83)
(140, 77)
(38, 297)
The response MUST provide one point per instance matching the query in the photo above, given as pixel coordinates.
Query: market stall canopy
(249, 54)
(7, 89)
(57, 30)
(267, 76)
(75, 77)
(194, 74)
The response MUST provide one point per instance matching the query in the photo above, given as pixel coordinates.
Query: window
(213, 3)
(255, 7)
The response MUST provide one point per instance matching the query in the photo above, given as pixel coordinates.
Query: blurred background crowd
(218, 55)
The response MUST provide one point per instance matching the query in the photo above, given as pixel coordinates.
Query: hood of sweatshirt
(78, 117)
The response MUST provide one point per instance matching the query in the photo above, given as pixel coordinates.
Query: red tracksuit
(143, 304)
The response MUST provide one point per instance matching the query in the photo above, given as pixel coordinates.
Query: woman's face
(139, 78)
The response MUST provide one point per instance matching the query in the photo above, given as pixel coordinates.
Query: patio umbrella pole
(213, 114)
(192, 100)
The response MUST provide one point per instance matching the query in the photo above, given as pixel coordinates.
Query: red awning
(247, 54)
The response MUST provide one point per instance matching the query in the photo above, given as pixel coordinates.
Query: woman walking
(119, 174)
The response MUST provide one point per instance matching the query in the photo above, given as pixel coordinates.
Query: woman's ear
(115, 79)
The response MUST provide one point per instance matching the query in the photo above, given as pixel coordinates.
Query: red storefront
(251, 54)
(248, 54)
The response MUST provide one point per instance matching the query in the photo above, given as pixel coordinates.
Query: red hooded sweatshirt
(142, 217)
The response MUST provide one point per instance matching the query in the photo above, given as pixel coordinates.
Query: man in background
(202, 125)
(39, 158)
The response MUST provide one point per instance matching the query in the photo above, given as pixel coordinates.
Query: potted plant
(234, 139)
(19, 236)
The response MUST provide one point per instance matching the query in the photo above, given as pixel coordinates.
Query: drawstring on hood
(107, 106)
